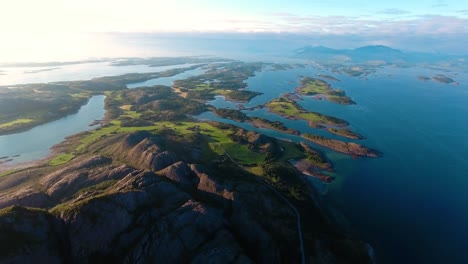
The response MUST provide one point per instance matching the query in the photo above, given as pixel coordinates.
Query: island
(258, 122)
(345, 133)
(438, 78)
(321, 89)
(349, 148)
(442, 79)
(328, 77)
(286, 107)
(424, 78)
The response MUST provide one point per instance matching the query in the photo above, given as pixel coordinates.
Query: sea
(410, 205)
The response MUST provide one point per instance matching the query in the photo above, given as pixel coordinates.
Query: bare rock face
(26, 197)
(223, 248)
(211, 184)
(144, 152)
(31, 236)
(146, 218)
(181, 174)
(72, 178)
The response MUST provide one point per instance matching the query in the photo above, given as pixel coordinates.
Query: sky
(53, 24)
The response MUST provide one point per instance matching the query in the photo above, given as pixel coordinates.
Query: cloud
(337, 25)
(394, 11)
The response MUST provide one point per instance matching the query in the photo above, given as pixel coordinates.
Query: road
(298, 216)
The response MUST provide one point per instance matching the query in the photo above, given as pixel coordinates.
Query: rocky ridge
(137, 202)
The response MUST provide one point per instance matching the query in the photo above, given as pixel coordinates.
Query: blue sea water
(411, 205)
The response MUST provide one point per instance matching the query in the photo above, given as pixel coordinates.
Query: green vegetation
(274, 125)
(45, 102)
(15, 122)
(315, 158)
(345, 133)
(288, 108)
(241, 95)
(98, 188)
(6, 173)
(221, 79)
(284, 178)
(232, 114)
(61, 159)
(313, 86)
(239, 116)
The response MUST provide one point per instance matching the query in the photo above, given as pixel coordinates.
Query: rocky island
(349, 148)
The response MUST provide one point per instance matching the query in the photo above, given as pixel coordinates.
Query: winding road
(298, 216)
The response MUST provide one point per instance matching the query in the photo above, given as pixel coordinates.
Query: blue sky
(62, 25)
(313, 16)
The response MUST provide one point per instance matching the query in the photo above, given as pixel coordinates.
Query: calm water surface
(411, 205)
(36, 143)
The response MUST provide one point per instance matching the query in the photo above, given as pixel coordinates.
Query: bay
(35, 143)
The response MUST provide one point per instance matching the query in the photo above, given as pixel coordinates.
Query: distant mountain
(362, 54)
(376, 53)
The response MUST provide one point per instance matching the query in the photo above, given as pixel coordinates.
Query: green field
(312, 86)
(61, 159)
(238, 152)
(290, 109)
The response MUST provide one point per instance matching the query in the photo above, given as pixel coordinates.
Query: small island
(321, 89)
(345, 133)
(349, 148)
(424, 78)
(328, 77)
(442, 79)
(288, 108)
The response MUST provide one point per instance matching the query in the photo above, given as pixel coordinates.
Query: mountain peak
(377, 48)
